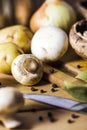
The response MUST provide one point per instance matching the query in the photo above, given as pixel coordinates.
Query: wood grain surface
(60, 119)
(64, 70)
(35, 115)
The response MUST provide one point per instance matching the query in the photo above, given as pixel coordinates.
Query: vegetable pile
(52, 29)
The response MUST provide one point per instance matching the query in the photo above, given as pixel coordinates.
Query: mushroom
(27, 69)
(78, 38)
(49, 43)
(11, 100)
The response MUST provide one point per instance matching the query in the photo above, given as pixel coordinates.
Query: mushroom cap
(21, 69)
(78, 38)
(10, 100)
(49, 43)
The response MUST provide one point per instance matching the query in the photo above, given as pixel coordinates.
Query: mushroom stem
(11, 100)
(30, 65)
(10, 121)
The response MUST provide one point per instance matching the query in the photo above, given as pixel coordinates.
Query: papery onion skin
(54, 12)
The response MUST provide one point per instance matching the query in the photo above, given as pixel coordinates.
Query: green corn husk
(78, 91)
(82, 76)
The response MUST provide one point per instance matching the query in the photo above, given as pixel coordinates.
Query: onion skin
(53, 12)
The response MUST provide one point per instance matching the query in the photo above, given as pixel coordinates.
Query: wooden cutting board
(60, 120)
(64, 70)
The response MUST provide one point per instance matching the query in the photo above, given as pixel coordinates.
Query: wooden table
(37, 116)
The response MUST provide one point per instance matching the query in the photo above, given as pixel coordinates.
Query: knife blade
(58, 102)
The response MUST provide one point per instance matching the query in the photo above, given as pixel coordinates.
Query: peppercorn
(70, 121)
(42, 91)
(53, 90)
(49, 114)
(51, 118)
(54, 86)
(40, 118)
(79, 66)
(75, 116)
(33, 89)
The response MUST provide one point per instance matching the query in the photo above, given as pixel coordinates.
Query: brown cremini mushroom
(78, 38)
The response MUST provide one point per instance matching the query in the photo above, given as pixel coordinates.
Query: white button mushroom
(49, 43)
(11, 100)
(27, 69)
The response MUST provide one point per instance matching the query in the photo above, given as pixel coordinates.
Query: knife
(58, 102)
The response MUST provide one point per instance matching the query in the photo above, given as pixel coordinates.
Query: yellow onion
(53, 12)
